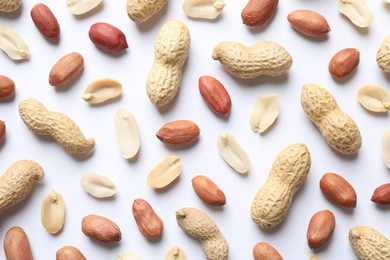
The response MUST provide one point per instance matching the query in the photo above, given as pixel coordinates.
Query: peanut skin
(17, 245)
(44, 122)
(148, 222)
(17, 182)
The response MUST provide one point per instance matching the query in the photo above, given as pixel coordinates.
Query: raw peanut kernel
(309, 23)
(2, 131)
(7, 87)
(67, 69)
(320, 230)
(215, 95)
(148, 222)
(381, 194)
(344, 62)
(100, 229)
(259, 12)
(338, 190)
(17, 245)
(263, 250)
(178, 132)
(108, 38)
(46, 22)
(69, 253)
(208, 191)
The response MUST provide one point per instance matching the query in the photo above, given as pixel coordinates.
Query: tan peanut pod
(9, 6)
(368, 243)
(200, 226)
(171, 49)
(289, 170)
(383, 55)
(338, 129)
(17, 182)
(142, 10)
(263, 58)
(63, 129)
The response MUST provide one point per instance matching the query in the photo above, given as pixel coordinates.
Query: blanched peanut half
(175, 253)
(98, 186)
(128, 256)
(53, 212)
(357, 11)
(232, 152)
(13, 45)
(127, 133)
(386, 148)
(203, 9)
(165, 172)
(79, 7)
(374, 99)
(264, 113)
(102, 90)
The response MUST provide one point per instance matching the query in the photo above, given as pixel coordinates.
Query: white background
(365, 171)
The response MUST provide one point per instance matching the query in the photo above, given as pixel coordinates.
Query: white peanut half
(97, 185)
(63, 129)
(374, 99)
(233, 153)
(263, 58)
(127, 133)
(203, 9)
(164, 172)
(357, 11)
(12, 44)
(102, 90)
(171, 49)
(53, 212)
(264, 113)
(80, 7)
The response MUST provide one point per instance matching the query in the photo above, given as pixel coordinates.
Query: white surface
(365, 172)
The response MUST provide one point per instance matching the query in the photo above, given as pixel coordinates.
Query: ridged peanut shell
(288, 172)
(9, 6)
(368, 243)
(142, 10)
(263, 58)
(338, 129)
(383, 55)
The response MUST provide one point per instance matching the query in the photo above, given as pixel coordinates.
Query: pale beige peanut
(165, 172)
(171, 49)
(175, 253)
(383, 55)
(264, 113)
(17, 182)
(203, 9)
(357, 11)
(368, 243)
(386, 148)
(233, 153)
(69, 253)
(9, 6)
(13, 45)
(53, 212)
(128, 256)
(200, 226)
(127, 133)
(338, 129)
(63, 129)
(263, 58)
(141, 11)
(374, 99)
(289, 170)
(97, 185)
(81, 7)
(17, 245)
(102, 90)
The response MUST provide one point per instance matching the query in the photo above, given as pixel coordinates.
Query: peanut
(381, 194)
(200, 226)
(17, 245)
(203, 9)
(374, 99)
(100, 229)
(13, 45)
(233, 153)
(175, 253)
(128, 256)
(107, 37)
(53, 212)
(102, 91)
(338, 128)
(2, 131)
(171, 49)
(127, 133)
(264, 113)
(149, 223)
(368, 243)
(215, 95)
(320, 229)
(66, 69)
(7, 88)
(46, 22)
(338, 190)
(165, 172)
(357, 11)
(208, 191)
(383, 55)
(344, 62)
(97, 185)
(17, 182)
(81, 7)
(309, 23)
(178, 132)
(142, 10)
(259, 12)
(69, 253)
(289, 170)
(263, 251)
(44, 122)
(9, 6)
(263, 58)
